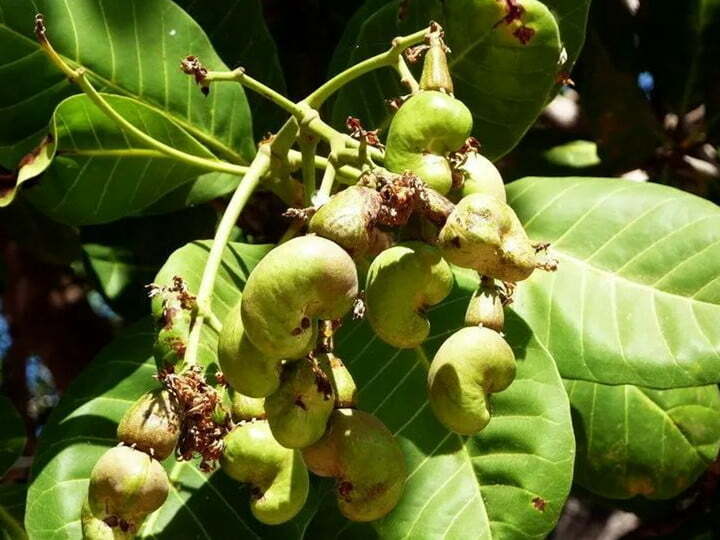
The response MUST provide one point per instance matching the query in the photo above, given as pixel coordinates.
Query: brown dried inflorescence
(201, 434)
(357, 131)
(175, 298)
(191, 65)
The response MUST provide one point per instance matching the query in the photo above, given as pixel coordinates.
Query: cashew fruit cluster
(293, 403)
(288, 389)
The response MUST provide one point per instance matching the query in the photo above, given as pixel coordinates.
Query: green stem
(337, 144)
(386, 59)
(347, 173)
(79, 77)
(308, 146)
(257, 169)
(238, 75)
(406, 76)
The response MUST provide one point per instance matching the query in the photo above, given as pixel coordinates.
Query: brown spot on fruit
(345, 489)
(300, 403)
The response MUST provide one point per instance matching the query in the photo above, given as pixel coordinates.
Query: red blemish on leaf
(524, 34)
(539, 504)
(513, 11)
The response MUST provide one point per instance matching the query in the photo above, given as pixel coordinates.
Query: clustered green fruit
(471, 364)
(244, 367)
(484, 234)
(401, 283)
(349, 219)
(287, 385)
(292, 287)
(427, 128)
(366, 461)
(277, 476)
(152, 424)
(292, 401)
(125, 486)
(299, 410)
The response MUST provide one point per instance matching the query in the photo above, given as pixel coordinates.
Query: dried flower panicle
(201, 434)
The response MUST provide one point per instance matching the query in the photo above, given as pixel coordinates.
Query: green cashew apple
(244, 367)
(277, 475)
(343, 385)
(299, 410)
(348, 219)
(486, 307)
(365, 459)
(125, 486)
(152, 424)
(246, 408)
(402, 281)
(471, 364)
(484, 234)
(425, 129)
(303, 280)
(481, 176)
(94, 528)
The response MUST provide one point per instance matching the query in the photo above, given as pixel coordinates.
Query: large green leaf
(130, 48)
(503, 81)
(12, 439)
(511, 481)
(636, 297)
(126, 255)
(96, 172)
(240, 36)
(637, 441)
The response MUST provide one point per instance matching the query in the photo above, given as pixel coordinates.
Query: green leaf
(512, 480)
(241, 38)
(504, 82)
(571, 16)
(204, 188)
(575, 154)
(636, 297)
(12, 440)
(12, 511)
(130, 48)
(637, 441)
(98, 173)
(126, 255)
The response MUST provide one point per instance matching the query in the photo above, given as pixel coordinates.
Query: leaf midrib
(625, 279)
(204, 137)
